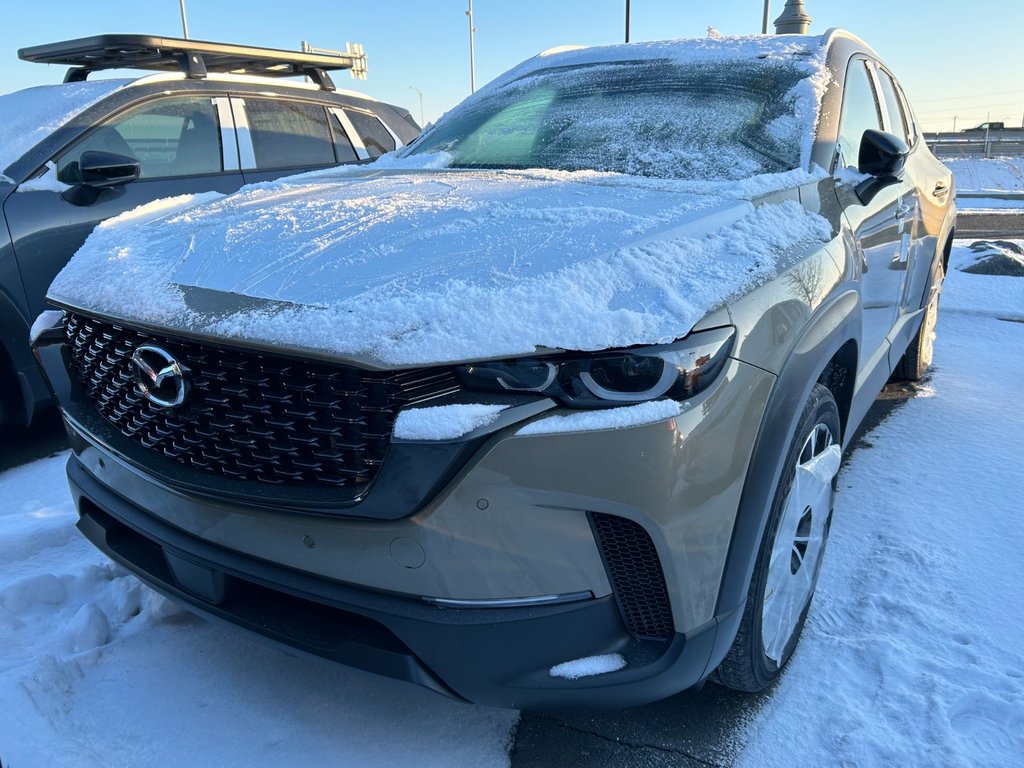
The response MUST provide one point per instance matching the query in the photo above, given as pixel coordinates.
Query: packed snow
(32, 114)
(444, 422)
(412, 267)
(588, 667)
(911, 654)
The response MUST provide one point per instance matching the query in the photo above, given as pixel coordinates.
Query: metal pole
(627, 21)
(414, 88)
(184, 20)
(988, 124)
(767, 13)
(472, 54)
(954, 122)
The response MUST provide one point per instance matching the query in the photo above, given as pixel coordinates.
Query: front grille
(252, 416)
(635, 572)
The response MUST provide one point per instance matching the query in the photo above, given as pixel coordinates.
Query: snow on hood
(422, 267)
(32, 114)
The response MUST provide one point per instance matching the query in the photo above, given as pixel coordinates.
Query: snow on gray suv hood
(395, 267)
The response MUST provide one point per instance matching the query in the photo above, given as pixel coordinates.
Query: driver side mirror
(882, 157)
(107, 169)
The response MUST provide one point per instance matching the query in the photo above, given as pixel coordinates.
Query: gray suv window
(860, 112)
(289, 134)
(371, 130)
(169, 137)
(898, 122)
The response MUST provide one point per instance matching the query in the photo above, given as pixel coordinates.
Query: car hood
(422, 266)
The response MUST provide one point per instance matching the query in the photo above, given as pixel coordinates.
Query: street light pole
(472, 54)
(794, 19)
(184, 21)
(767, 14)
(627, 21)
(414, 88)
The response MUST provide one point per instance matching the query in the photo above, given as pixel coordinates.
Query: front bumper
(497, 657)
(512, 524)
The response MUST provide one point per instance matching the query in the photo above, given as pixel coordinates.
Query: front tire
(789, 560)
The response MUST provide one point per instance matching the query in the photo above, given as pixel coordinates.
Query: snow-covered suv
(544, 411)
(74, 154)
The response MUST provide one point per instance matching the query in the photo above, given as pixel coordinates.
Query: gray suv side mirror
(107, 169)
(882, 157)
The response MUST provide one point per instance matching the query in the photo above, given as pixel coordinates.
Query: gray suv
(546, 411)
(77, 153)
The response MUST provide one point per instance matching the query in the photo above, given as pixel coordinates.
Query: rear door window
(289, 134)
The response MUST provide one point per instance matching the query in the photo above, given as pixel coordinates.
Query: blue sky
(960, 58)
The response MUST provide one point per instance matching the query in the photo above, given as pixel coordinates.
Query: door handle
(941, 189)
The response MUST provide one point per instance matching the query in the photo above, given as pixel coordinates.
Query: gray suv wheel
(786, 571)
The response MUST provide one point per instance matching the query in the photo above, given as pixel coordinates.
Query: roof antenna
(794, 19)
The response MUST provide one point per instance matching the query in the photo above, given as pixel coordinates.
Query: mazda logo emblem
(159, 377)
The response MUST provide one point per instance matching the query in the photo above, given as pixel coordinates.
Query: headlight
(678, 370)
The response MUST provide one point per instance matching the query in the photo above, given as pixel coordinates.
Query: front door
(181, 150)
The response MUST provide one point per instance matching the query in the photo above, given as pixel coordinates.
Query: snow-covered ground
(912, 653)
(1002, 174)
(98, 671)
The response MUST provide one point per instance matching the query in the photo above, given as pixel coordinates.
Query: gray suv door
(181, 147)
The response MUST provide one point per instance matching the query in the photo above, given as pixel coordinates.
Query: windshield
(702, 120)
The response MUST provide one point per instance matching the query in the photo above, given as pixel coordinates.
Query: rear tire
(918, 358)
(789, 560)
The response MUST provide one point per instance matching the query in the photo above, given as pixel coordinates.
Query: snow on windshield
(32, 114)
(703, 120)
(715, 109)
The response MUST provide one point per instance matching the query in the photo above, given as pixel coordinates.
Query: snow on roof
(32, 114)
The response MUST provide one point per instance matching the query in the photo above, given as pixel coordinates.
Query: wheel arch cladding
(826, 350)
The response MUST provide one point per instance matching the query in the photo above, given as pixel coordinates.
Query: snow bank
(98, 671)
(912, 652)
(32, 114)
(416, 267)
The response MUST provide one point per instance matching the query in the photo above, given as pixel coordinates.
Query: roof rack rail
(193, 57)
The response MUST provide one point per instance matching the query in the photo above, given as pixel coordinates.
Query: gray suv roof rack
(193, 57)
